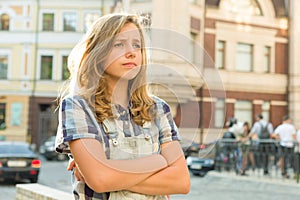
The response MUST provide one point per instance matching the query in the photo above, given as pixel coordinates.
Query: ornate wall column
(294, 62)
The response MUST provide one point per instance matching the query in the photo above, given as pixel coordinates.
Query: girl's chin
(131, 74)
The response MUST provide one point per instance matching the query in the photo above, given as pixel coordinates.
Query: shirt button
(115, 142)
(147, 137)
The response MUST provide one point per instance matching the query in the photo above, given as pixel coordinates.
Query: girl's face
(125, 60)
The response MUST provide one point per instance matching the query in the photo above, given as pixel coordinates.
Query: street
(213, 186)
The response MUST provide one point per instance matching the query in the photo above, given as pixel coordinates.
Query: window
(70, 21)
(3, 66)
(46, 67)
(220, 57)
(244, 57)
(220, 113)
(89, 19)
(4, 22)
(243, 7)
(65, 70)
(2, 116)
(243, 111)
(266, 110)
(48, 22)
(267, 59)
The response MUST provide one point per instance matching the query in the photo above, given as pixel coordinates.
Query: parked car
(189, 147)
(47, 149)
(18, 161)
(204, 162)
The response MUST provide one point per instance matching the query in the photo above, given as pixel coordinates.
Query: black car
(18, 161)
(47, 149)
(189, 148)
(204, 162)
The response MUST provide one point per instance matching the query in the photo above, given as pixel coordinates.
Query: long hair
(86, 64)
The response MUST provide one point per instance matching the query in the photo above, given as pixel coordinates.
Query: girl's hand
(77, 173)
(71, 164)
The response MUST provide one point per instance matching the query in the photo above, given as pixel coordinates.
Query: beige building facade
(210, 60)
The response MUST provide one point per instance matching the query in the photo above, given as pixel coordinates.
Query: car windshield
(15, 149)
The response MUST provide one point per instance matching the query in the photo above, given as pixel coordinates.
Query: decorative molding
(279, 103)
(257, 102)
(228, 100)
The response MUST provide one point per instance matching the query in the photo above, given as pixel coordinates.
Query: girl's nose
(130, 51)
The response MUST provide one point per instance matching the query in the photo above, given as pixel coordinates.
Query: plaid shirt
(76, 121)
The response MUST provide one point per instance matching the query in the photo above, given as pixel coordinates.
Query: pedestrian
(247, 149)
(286, 133)
(297, 156)
(262, 129)
(237, 130)
(123, 139)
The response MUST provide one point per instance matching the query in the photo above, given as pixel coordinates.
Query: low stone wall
(37, 191)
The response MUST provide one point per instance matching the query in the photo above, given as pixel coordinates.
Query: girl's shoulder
(158, 100)
(71, 98)
(73, 102)
(160, 105)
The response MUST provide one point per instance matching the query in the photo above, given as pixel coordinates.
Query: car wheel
(201, 174)
(61, 157)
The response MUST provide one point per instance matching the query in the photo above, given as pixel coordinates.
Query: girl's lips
(129, 65)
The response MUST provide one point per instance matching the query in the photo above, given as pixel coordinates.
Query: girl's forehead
(129, 29)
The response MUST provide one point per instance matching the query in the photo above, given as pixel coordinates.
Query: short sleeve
(76, 121)
(168, 130)
(255, 128)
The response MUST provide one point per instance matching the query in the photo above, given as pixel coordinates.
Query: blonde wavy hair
(86, 65)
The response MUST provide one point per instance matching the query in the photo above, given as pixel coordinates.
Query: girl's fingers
(71, 164)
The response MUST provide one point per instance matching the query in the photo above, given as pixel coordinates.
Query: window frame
(241, 52)
(63, 20)
(6, 52)
(242, 110)
(221, 110)
(85, 13)
(3, 104)
(267, 56)
(60, 67)
(221, 51)
(265, 109)
(46, 53)
(9, 20)
(49, 11)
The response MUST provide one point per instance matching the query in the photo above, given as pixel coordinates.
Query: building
(36, 38)
(254, 47)
(210, 60)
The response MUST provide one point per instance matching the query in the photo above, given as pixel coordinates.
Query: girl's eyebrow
(125, 39)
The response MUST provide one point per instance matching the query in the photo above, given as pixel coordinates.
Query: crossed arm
(164, 173)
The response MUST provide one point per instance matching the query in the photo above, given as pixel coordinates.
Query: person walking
(286, 133)
(247, 149)
(123, 140)
(262, 129)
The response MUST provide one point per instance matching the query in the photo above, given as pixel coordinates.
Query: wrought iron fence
(264, 157)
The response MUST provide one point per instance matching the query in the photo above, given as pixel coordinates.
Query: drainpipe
(36, 40)
(32, 111)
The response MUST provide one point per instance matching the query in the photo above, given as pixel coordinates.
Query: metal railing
(262, 156)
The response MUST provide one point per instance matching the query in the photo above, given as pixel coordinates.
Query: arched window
(4, 22)
(245, 7)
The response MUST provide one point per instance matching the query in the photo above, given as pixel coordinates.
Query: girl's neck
(119, 91)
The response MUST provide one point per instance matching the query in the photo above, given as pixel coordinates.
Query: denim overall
(126, 148)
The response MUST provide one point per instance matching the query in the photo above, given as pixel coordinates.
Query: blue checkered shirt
(77, 120)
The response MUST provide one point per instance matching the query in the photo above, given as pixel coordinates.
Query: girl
(123, 140)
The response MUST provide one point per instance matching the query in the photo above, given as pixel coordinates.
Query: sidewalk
(229, 186)
(257, 176)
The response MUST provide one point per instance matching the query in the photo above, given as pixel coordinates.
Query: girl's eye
(120, 44)
(137, 46)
